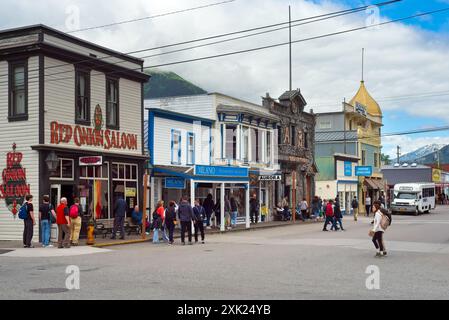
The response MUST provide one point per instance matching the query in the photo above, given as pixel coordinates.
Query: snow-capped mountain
(421, 152)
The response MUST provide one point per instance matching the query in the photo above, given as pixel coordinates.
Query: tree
(385, 159)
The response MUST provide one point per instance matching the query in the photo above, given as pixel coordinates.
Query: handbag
(371, 233)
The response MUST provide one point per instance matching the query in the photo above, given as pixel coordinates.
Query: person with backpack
(26, 213)
(355, 208)
(185, 212)
(75, 222)
(199, 214)
(170, 220)
(63, 221)
(329, 216)
(382, 220)
(158, 218)
(337, 217)
(46, 215)
(120, 207)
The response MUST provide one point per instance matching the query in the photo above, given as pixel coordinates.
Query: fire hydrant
(90, 235)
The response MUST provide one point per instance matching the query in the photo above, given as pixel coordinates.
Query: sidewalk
(101, 242)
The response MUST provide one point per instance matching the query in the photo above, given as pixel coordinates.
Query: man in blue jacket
(185, 212)
(120, 207)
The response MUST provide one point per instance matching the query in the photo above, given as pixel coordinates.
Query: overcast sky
(402, 59)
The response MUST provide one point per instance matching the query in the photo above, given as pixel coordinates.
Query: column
(192, 199)
(248, 225)
(222, 207)
(151, 204)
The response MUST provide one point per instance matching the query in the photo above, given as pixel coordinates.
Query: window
(255, 145)
(112, 104)
(376, 159)
(190, 148)
(231, 141)
(93, 190)
(306, 140)
(64, 171)
(82, 96)
(268, 146)
(175, 147)
(18, 87)
(293, 135)
(245, 144)
(125, 186)
(363, 157)
(279, 132)
(325, 125)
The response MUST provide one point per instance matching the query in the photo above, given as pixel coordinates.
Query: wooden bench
(104, 227)
(131, 226)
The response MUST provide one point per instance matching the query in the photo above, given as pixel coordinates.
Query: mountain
(169, 84)
(421, 153)
(432, 158)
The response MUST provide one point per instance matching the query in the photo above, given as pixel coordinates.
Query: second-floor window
(190, 148)
(245, 144)
(306, 140)
(82, 92)
(18, 79)
(293, 135)
(112, 104)
(231, 141)
(268, 147)
(175, 147)
(363, 157)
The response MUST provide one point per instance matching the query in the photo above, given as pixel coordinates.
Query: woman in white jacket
(377, 230)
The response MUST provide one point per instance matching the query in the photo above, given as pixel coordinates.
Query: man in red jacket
(329, 215)
(63, 222)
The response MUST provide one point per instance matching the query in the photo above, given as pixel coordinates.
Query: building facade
(355, 131)
(296, 142)
(72, 124)
(243, 149)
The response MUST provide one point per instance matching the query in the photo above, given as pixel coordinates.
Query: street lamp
(52, 161)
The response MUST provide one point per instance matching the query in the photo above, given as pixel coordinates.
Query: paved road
(292, 262)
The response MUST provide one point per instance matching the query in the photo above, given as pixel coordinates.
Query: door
(55, 197)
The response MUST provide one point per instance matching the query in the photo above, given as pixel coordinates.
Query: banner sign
(348, 169)
(91, 161)
(363, 171)
(175, 183)
(212, 171)
(274, 177)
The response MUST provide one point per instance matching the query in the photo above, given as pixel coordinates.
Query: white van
(413, 198)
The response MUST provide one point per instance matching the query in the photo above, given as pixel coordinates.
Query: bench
(131, 226)
(104, 227)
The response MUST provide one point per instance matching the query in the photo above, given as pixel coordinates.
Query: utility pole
(399, 154)
(290, 44)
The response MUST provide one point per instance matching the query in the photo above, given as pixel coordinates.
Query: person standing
(209, 208)
(367, 204)
(227, 214)
(234, 212)
(75, 222)
(254, 209)
(170, 220)
(186, 218)
(63, 222)
(329, 216)
(355, 208)
(377, 230)
(198, 214)
(217, 213)
(46, 212)
(337, 217)
(158, 218)
(304, 207)
(29, 222)
(119, 218)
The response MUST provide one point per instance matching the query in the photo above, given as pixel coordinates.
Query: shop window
(127, 172)
(125, 185)
(175, 147)
(121, 171)
(18, 96)
(82, 98)
(112, 104)
(115, 171)
(64, 171)
(190, 148)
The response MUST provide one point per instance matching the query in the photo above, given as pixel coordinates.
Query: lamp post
(148, 167)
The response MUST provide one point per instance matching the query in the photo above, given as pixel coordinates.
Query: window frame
(192, 162)
(60, 178)
(11, 65)
(178, 132)
(86, 72)
(115, 126)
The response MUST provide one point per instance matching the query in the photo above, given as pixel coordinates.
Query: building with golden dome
(348, 151)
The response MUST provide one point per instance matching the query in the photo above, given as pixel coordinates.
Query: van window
(406, 196)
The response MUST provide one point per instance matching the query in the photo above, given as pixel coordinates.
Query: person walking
(120, 207)
(75, 222)
(254, 209)
(368, 204)
(186, 217)
(227, 214)
(46, 213)
(304, 206)
(329, 216)
(170, 220)
(209, 207)
(63, 222)
(29, 222)
(234, 211)
(337, 217)
(379, 227)
(198, 214)
(217, 213)
(355, 208)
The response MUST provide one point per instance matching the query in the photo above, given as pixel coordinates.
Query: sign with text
(175, 183)
(348, 169)
(363, 171)
(91, 161)
(273, 177)
(213, 171)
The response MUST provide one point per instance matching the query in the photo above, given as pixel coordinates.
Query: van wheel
(416, 212)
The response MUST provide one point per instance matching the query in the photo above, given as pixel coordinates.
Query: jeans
(164, 233)
(208, 215)
(156, 235)
(254, 213)
(28, 232)
(186, 226)
(329, 219)
(199, 226)
(367, 210)
(338, 220)
(171, 228)
(45, 229)
(119, 223)
(234, 218)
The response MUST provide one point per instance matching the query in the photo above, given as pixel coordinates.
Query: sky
(406, 63)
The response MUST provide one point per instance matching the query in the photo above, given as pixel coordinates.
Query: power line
(328, 15)
(152, 17)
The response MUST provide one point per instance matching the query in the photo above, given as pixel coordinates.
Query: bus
(415, 198)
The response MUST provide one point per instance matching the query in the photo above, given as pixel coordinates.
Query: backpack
(355, 204)
(74, 212)
(23, 212)
(385, 222)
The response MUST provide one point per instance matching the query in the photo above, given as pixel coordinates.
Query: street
(290, 262)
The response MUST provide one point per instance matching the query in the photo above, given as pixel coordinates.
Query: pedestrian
(227, 213)
(355, 208)
(170, 220)
(323, 208)
(75, 222)
(304, 207)
(46, 213)
(29, 222)
(286, 211)
(158, 218)
(209, 206)
(367, 204)
(379, 227)
(329, 216)
(63, 222)
(316, 207)
(254, 209)
(299, 212)
(186, 217)
(263, 212)
(217, 213)
(337, 217)
(234, 211)
(198, 214)
(120, 207)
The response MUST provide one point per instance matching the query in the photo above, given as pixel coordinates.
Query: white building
(73, 111)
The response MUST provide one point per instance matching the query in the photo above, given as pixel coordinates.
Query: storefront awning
(189, 175)
(371, 184)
